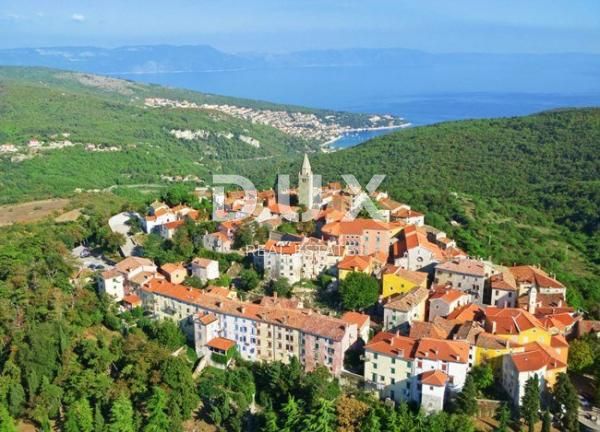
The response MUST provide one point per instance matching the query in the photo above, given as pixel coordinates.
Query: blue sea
(421, 96)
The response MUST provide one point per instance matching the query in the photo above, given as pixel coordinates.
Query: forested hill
(522, 189)
(61, 131)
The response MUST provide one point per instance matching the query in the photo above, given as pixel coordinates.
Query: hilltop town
(386, 301)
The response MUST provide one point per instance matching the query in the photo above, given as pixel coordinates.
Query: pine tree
(466, 401)
(503, 417)
(157, 418)
(566, 403)
(530, 404)
(79, 417)
(7, 423)
(98, 419)
(270, 419)
(121, 415)
(291, 415)
(322, 418)
(546, 421)
(371, 422)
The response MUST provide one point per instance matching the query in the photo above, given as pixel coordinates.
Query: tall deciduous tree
(358, 291)
(530, 404)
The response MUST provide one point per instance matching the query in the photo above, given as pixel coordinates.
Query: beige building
(401, 310)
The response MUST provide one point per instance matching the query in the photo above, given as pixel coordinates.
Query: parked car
(85, 253)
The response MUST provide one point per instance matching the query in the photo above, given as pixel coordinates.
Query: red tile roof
(203, 262)
(207, 318)
(355, 263)
(282, 247)
(355, 227)
(411, 237)
(392, 345)
(534, 358)
(469, 312)
(132, 300)
(131, 263)
(175, 224)
(445, 350)
(172, 267)
(533, 275)
(356, 318)
(221, 343)
(421, 329)
(504, 281)
(447, 295)
(435, 378)
(509, 321)
(177, 292)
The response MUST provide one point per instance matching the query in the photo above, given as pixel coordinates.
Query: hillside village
(437, 313)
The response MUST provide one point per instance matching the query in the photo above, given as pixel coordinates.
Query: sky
(498, 26)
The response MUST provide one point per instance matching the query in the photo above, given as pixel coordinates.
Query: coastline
(326, 147)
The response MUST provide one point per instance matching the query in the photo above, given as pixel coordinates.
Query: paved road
(118, 223)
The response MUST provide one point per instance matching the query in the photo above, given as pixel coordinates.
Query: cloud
(78, 17)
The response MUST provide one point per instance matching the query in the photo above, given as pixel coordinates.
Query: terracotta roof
(175, 224)
(490, 341)
(533, 275)
(469, 332)
(221, 343)
(131, 263)
(144, 277)
(172, 267)
(291, 303)
(404, 302)
(504, 281)
(447, 295)
(421, 329)
(534, 358)
(404, 213)
(112, 273)
(445, 350)
(434, 378)
(411, 237)
(468, 312)
(220, 291)
(509, 321)
(560, 321)
(219, 235)
(390, 204)
(174, 291)
(203, 262)
(415, 277)
(132, 299)
(558, 341)
(207, 318)
(355, 263)
(355, 227)
(356, 318)
(464, 266)
(392, 344)
(282, 247)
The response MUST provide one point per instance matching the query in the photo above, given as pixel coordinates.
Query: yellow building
(356, 263)
(396, 280)
(489, 348)
(516, 325)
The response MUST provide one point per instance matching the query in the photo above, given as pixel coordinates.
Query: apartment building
(465, 274)
(401, 310)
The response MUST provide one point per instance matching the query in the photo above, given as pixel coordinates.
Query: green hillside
(523, 190)
(50, 106)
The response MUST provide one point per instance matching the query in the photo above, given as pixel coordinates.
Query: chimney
(493, 327)
(275, 295)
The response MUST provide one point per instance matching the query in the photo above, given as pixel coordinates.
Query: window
(374, 377)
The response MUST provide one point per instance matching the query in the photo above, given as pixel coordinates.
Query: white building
(306, 184)
(112, 283)
(503, 290)
(217, 242)
(205, 269)
(444, 301)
